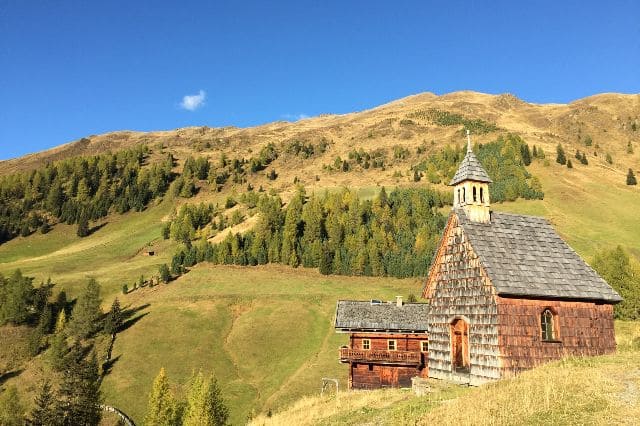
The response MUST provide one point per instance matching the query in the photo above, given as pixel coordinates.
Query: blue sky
(69, 69)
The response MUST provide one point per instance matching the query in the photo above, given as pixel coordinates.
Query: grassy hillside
(585, 391)
(267, 332)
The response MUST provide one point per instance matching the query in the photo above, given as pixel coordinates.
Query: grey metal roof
(524, 256)
(470, 169)
(363, 315)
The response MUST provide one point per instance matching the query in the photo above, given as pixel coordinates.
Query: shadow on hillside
(8, 375)
(108, 366)
(96, 228)
(130, 316)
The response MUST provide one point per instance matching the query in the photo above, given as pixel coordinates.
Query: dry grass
(575, 391)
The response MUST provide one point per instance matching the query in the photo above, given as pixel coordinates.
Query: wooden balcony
(380, 357)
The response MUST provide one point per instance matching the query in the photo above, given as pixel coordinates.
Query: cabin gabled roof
(524, 256)
(470, 169)
(354, 315)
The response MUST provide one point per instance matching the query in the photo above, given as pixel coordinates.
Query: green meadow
(265, 332)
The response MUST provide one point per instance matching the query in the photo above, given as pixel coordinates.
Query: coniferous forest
(80, 189)
(339, 233)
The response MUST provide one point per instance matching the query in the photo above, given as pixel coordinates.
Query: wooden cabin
(388, 342)
(507, 293)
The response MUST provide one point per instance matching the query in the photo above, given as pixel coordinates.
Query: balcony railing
(383, 357)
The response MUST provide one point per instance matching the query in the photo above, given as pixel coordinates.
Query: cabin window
(547, 326)
(474, 194)
(424, 346)
(391, 345)
(366, 344)
(481, 196)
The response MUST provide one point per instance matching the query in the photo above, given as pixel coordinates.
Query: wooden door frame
(466, 363)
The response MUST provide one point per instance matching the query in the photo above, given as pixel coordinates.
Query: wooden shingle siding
(462, 289)
(582, 328)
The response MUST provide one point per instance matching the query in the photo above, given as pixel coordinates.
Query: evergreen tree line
(395, 234)
(504, 159)
(446, 118)
(65, 330)
(204, 404)
(80, 189)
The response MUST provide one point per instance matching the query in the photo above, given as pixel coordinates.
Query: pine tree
(16, 297)
(560, 158)
(79, 394)
(631, 178)
(535, 152)
(165, 274)
(525, 154)
(113, 321)
(83, 225)
(569, 164)
(584, 160)
(44, 412)
(290, 232)
(35, 341)
(87, 312)
(161, 410)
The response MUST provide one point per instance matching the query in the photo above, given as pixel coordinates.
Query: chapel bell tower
(471, 187)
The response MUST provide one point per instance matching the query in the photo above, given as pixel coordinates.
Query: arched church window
(474, 194)
(547, 326)
(463, 195)
(458, 195)
(481, 196)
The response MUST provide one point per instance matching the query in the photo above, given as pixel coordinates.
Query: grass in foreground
(575, 391)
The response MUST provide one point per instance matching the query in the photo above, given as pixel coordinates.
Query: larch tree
(631, 178)
(11, 408)
(162, 407)
(205, 406)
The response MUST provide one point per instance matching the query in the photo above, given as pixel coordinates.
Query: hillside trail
(237, 311)
(304, 366)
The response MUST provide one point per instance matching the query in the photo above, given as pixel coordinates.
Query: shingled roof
(470, 169)
(524, 256)
(368, 316)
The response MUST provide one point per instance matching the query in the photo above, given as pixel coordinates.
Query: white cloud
(193, 102)
(294, 117)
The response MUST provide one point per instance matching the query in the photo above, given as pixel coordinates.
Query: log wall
(373, 375)
(459, 287)
(581, 328)
(404, 342)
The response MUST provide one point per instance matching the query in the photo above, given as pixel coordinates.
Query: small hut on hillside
(388, 342)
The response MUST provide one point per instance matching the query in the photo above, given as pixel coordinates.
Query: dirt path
(307, 364)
